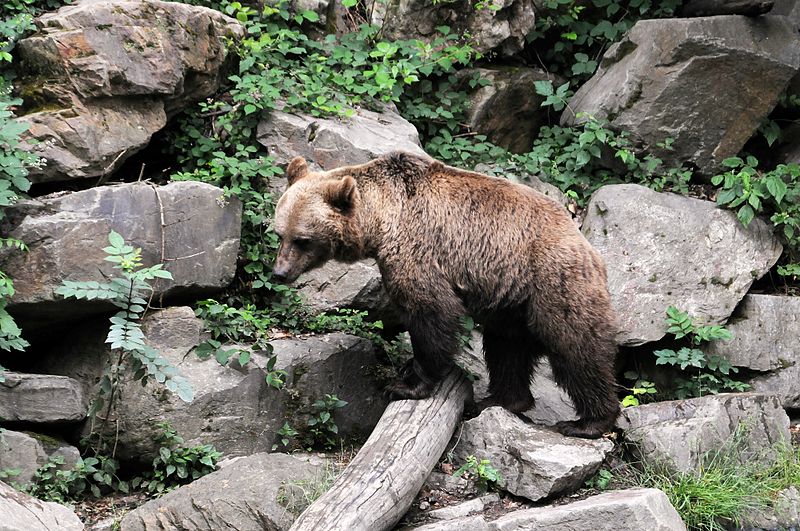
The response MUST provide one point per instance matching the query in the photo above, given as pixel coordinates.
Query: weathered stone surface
(502, 27)
(234, 409)
(678, 434)
(66, 234)
(707, 8)
(357, 285)
(783, 383)
(243, 496)
(666, 250)
(611, 511)
(683, 79)
(113, 70)
(26, 452)
(552, 403)
(789, 9)
(21, 512)
(465, 523)
(459, 486)
(464, 508)
(332, 142)
(534, 462)
(784, 515)
(766, 334)
(507, 109)
(41, 398)
(91, 139)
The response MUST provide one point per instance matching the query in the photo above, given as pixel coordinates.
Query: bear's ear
(297, 169)
(342, 193)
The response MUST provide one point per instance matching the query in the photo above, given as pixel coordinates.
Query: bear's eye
(301, 243)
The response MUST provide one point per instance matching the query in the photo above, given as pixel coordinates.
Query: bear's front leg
(434, 338)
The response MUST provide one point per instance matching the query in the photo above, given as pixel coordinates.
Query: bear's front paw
(403, 390)
(592, 429)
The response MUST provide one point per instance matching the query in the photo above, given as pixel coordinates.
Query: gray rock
(41, 398)
(784, 515)
(465, 523)
(91, 139)
(502, 28)
(507, 109)
(789, 9)
(357, 285)
(108, 73)
(622, 509)
(332, 142)
(464, 508)
(666, 250)
(766, 334)
(706, 8)
(552, 403)
(683, 79)
(783, 383)
(534, 462)
(678, 434)
(243, 496)
(66, 234)
(234, 409)
(21, 512)
(26, 452)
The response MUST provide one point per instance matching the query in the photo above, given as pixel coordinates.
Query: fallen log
(377, 487)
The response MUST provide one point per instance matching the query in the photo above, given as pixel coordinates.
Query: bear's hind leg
(511, 356)
(586, 373)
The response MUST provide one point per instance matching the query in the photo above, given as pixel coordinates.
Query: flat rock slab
(108, 74)
(464, 508)
(611, 511)
(66, 234)
(243, 496)
(666, 250)
(21, 512)
(26, 452)
(683, 79)
(534, 462)
(680, 433)
(41, 398)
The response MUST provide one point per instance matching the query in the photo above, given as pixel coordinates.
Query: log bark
(380, 483)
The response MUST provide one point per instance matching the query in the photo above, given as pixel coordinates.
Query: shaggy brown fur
(451, 242)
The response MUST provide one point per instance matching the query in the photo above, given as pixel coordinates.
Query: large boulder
(707, 83)
(620, 509)
(358, 286)
(245, 495)
(534, 462)
(328, 143)
(41, 399)
(666, 250)
(234, 409)
(187, 225)
(707, 8)
(21, 512)
(26, 452)
(766, 334)
(102, 76)
(506, 107)
(680, 434)
(499, 25)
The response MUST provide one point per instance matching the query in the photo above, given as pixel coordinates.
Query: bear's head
(316, 220)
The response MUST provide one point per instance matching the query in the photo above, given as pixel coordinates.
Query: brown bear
(449, 243)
